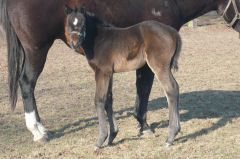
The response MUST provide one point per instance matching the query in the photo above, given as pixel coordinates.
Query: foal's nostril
(74, 44)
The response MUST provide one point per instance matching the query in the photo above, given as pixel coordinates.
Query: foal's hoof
(168, 145)
(146, 134)
(96, 149)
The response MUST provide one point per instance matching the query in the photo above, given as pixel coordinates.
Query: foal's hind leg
(110, 114)
(33, 66)
(163, 72)
(102, 83)
(171, 89)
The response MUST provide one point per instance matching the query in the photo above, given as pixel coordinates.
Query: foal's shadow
(224, 105)
(85, 123)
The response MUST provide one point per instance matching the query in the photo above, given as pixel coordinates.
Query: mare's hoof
(43, 140)
(111, 138)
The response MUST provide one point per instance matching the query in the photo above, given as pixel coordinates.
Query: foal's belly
(123, 64)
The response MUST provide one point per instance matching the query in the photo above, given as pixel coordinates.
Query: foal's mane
(92, 24)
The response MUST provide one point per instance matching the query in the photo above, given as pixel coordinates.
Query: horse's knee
(100, 102)
(170, 86)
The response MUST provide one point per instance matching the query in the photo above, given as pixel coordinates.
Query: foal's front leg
(102, 83)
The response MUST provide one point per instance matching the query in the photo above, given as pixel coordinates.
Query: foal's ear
(68, 10)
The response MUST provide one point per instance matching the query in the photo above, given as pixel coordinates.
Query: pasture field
(209, 79)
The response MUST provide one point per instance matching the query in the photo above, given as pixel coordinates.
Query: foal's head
(76, 26)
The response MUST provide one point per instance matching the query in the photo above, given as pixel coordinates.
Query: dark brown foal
(112, 50)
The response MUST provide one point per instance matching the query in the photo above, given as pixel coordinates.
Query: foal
(112, 50)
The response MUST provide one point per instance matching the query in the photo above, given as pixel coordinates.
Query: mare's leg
(110, 114)
(144, 85)
(102, 83)
(33, 66)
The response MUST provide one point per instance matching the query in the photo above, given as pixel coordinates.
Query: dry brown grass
(209, 79)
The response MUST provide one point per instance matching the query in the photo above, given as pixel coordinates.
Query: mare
(112, 50)
(31, 27)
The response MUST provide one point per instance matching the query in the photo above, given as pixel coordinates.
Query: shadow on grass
(197, 105)
(128, 139)
(85, 123)
(224, 105)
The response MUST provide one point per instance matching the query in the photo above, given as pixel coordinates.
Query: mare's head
(76, 26)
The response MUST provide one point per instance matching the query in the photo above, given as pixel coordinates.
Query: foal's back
(126, 49)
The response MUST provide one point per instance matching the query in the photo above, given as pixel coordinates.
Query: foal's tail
(15, 54)
(174, 62)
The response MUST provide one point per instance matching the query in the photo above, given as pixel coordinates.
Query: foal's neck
(91, 33)
(93, 28)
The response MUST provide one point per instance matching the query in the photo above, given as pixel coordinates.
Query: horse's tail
(174, 62)
(15, 54)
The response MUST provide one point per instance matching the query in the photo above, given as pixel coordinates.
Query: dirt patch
(209, 79)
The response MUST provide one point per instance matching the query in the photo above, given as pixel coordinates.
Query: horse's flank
(125, 49)
(126, 52)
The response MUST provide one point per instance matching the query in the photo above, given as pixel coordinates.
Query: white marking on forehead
(75, 21)
(156, 12)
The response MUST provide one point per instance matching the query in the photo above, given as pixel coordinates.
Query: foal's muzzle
(76, 39)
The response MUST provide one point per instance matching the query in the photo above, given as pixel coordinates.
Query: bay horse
(31, 26)
(112, 50)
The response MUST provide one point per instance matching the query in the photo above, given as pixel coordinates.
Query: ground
(209, 79)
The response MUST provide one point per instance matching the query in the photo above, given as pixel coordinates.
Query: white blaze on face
(156, 12)
(35, 127)
(75, 21)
